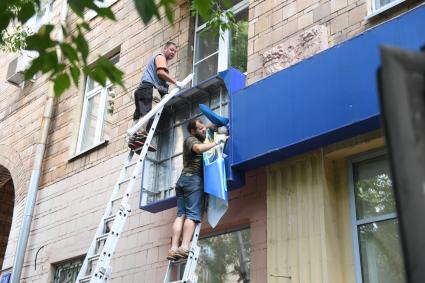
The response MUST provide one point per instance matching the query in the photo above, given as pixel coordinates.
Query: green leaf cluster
(74, 46)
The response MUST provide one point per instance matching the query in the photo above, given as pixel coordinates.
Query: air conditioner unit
(15, 71)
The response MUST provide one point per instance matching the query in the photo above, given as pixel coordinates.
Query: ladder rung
(124, 181)
(109, 218)
(131, 164)
(117, 199)
(102, 267)
(179, 261)
(102, 237)
(93, 257)
(85, 279)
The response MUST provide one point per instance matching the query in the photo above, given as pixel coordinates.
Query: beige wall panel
(308, 235)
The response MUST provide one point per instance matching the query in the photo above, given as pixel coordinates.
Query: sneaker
(171, 254)
(140, 134)
(138, 145)
(182, 253)
(132, 144)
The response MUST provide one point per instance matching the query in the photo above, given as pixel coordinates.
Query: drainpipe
(36, 171)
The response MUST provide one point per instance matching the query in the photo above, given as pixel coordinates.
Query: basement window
(67, 271)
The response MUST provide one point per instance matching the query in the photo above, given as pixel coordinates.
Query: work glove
(223, 130)
(221, 139)
(179, 84)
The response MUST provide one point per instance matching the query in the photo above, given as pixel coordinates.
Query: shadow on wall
(7, 200)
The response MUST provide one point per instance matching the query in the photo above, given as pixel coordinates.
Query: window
(216, 52)
(41, 17)
(67, 272)
(96, 118)
(90, 14)
(377, 6)
(163, 168)
(225, 258)
(376, 235)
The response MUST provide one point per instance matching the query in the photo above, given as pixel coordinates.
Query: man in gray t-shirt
(153, 85)
(189, 189)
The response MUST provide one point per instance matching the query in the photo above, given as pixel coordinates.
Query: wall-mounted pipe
(36, 171)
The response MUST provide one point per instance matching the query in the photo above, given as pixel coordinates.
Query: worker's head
(197, 129)
(170, 50)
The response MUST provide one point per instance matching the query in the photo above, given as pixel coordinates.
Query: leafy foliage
(381, 255)
(375, 196)
(74, 46)
(238, 50)
(216, 14)
(14, 40)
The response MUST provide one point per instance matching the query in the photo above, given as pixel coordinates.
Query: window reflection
(225, 258)
(161, 172)
(377, 224)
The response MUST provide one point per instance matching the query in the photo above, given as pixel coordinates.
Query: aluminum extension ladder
(173, 274)
(96, 266)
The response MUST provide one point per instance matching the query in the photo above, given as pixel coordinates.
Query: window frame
(78, 262)
(353, 210)
(91, 14)
(180, 266)
(372, 11)
(38, 19)
(223, 51)
(103, 91)
(162, 193)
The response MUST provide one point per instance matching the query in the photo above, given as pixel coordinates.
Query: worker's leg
(194, 206)
(177, 231)
(156, 98)
(178, 223)
(188, 229)
(142, 103)
(145, 98)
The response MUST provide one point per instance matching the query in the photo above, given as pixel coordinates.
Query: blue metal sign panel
(330, 97)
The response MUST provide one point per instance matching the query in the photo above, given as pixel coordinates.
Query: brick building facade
(78, 174)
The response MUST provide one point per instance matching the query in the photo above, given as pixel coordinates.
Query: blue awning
(329, 97)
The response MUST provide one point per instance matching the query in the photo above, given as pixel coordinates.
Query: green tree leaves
(74, 46)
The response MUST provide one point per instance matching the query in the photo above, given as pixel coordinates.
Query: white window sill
(88, 150)
(383, 9)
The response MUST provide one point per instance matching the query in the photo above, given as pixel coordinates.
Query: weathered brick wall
(68, 212)
(136, 44)
(73, 193)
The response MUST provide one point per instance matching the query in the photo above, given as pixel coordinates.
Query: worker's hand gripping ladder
(96, 266)
(173, 274)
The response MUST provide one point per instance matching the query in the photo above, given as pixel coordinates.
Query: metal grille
(67, 272)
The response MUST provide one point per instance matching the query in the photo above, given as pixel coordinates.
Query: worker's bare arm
(202, 147)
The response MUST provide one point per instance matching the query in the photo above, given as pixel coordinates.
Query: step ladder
(174, 274)
(96, 266)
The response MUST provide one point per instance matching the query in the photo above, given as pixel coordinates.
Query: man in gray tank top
(153, 85)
